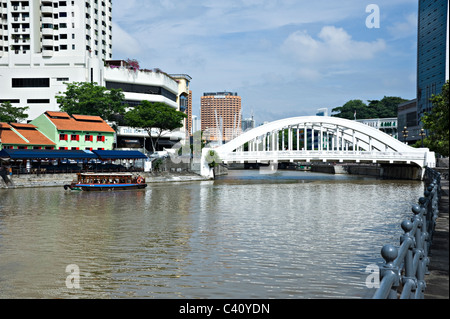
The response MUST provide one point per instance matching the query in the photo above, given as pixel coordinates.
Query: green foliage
(384, 108)
(212, 158)
(436, 122)
(158, 116)
(87, 98)
(12, 114)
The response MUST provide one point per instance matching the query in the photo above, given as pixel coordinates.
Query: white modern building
(47, 43)
(386, 125)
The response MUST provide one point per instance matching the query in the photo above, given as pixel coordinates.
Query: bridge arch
(352, 132)
(321, 138)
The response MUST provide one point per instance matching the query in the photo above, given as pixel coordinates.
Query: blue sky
(284, 58)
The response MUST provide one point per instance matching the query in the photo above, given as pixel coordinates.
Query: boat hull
(96, 182)
(100, 188)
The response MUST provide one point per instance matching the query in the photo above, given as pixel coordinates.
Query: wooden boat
(106, 182)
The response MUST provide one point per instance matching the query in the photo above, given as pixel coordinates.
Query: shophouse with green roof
(75, 132)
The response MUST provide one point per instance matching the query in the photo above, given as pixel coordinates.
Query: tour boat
(106, 182)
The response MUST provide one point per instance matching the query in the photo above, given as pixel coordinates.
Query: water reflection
(291, 235)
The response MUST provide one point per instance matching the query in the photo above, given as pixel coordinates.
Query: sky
(285, 58)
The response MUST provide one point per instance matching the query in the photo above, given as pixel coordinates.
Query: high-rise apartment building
(220, 114)
(44, 43)
(432, 51)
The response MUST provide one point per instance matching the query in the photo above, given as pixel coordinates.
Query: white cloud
(290, 48)
(124, 44)
(405, 28)
(332, 45)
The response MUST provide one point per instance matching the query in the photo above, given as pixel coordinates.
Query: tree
(386, 107)
(158, 116)
(436, 122)
(87, 98)
(348, 110)
(11, 114)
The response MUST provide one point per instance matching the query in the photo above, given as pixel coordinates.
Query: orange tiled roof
(65, 122)
(58, 114)
(28, 131)
(22, 125)
(8, 136)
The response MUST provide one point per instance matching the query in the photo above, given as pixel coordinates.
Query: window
(89, 138)
(63, 148)
(30, 82)
(38, 101)
(100, 138)
(75, 148)
(63, 137)
(139, 88)
(10, 101)
(74, 137)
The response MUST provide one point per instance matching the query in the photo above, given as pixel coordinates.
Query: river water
(245, 235)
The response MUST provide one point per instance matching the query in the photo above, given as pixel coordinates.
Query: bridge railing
(403, 273)
(304, 154)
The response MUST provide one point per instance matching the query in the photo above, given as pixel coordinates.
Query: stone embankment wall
(167, 171)
(383, 171)
(59, 180)
(37, 180)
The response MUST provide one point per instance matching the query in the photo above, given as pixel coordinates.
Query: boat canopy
(46, 154)
(69, 154)
(106, 155)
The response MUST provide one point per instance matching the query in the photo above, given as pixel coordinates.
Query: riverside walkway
(438, 279)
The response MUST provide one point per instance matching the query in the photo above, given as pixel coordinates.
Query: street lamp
(422, 134)
(405, 134)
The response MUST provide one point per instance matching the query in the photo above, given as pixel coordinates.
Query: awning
(46, 154)
(106, 155)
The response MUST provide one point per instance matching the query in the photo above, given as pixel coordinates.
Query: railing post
(390, 273)
(409, 280)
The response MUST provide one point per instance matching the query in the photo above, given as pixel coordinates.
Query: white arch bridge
(316, 139)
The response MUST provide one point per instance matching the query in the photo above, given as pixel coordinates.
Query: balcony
(47, 20)
(47, 10)
(47, 52)
(47, 31)
(47, 42)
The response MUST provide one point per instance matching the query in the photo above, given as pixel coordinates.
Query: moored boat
(106, 182)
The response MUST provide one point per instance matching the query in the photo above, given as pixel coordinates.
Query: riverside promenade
(437, 280)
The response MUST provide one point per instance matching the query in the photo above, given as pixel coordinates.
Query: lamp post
(405, 134)
(422, 134)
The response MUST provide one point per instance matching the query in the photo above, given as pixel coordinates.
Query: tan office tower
(220, 116)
